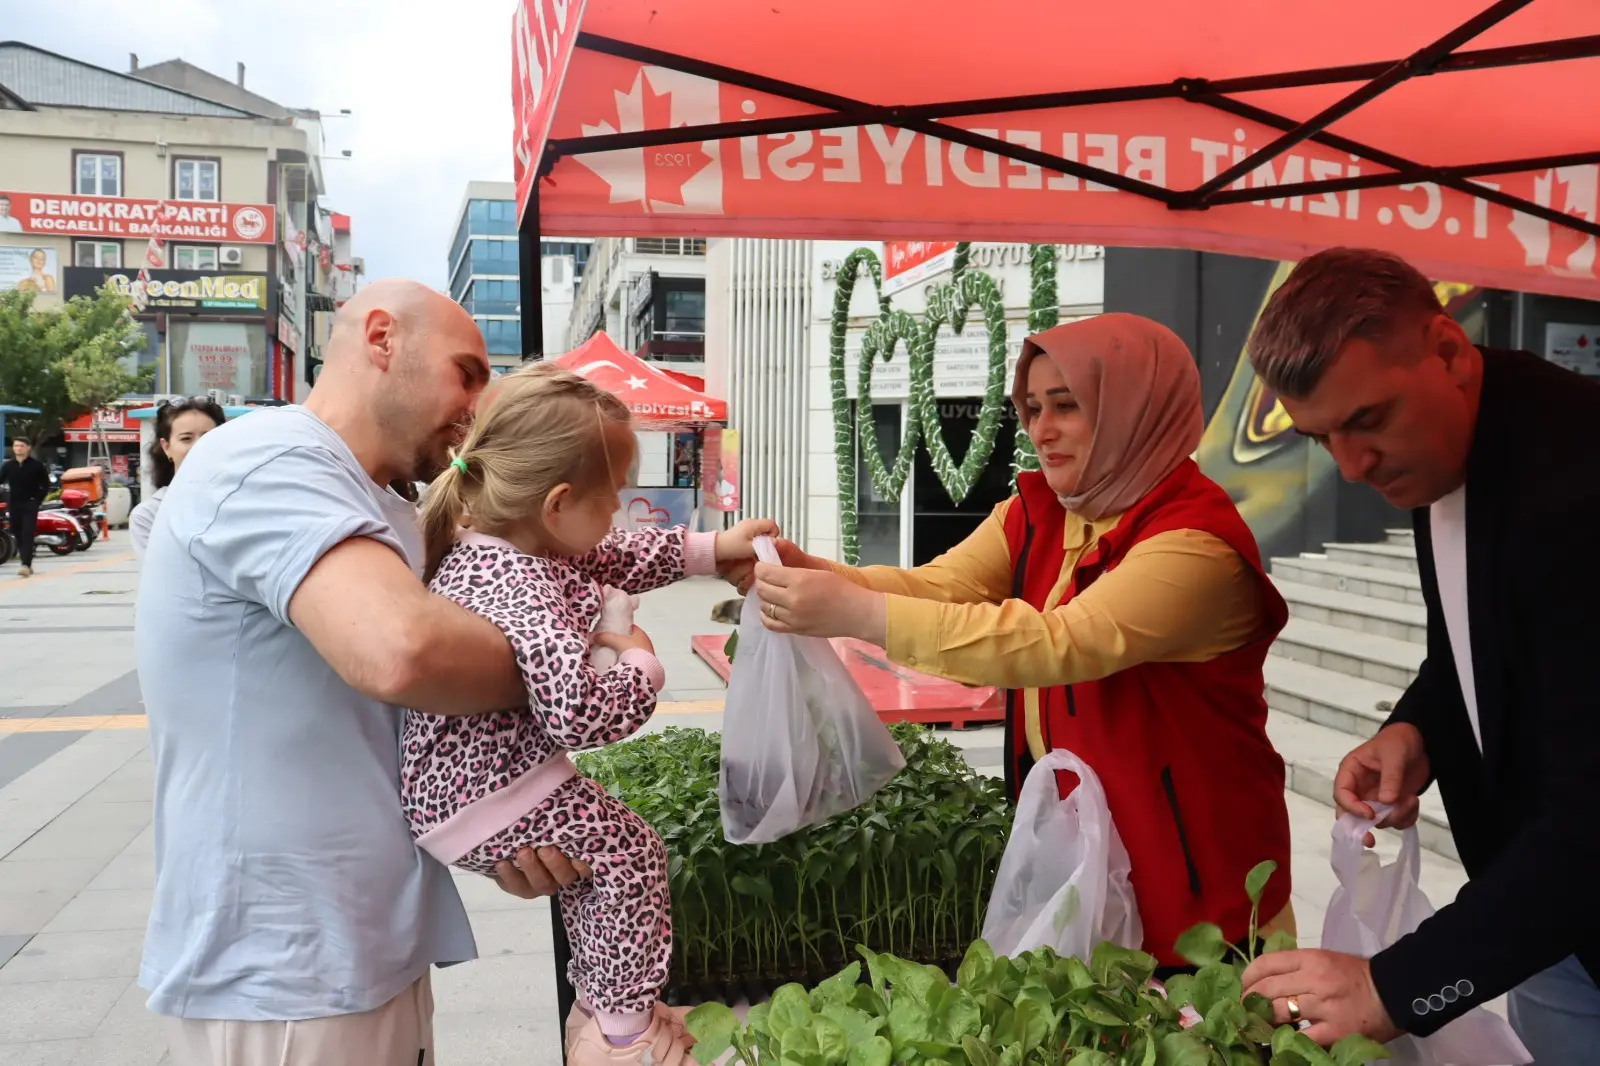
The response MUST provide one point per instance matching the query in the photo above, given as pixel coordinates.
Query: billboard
(194, 291)
(124, 218)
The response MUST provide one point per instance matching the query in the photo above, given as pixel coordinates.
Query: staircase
(1356, 636)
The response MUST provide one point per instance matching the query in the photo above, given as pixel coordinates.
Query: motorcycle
(75, 502)
(56, 530)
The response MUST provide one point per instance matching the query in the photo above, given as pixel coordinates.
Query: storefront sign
(112, 421)
(29, 269)
(179, 290)
(1574, 346)
(719, 469)
(905, 263)
(657, 508)
(116, 217)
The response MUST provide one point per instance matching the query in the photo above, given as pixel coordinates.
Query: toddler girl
(519, 531)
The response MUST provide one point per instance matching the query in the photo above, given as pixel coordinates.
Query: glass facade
(484, 267)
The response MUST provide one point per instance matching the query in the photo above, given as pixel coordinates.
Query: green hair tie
(459, 463)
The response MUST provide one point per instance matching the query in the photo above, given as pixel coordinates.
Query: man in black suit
(28, 482)
(1495, 454)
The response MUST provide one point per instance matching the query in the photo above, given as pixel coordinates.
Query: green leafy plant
(909, 871)
(1038, 1009)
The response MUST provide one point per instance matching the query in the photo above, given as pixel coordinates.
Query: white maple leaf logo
(682, 179)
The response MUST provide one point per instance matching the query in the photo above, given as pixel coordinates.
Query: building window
(196, 179)
(97, 253)
(194, 257)
(686, 312)
(502, 336)
(98, 174)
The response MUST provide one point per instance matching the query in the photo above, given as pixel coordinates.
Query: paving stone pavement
(76, 839)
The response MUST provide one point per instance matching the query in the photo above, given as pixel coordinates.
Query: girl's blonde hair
(539, 427)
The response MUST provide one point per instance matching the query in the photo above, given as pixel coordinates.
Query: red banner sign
(907, 262)
(877, 181)
(118, 218)
(543, 33)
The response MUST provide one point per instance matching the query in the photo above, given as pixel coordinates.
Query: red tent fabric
(1458, 133)
(654, 398)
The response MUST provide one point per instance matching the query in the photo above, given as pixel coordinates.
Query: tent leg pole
(566, 995)
(530, 280)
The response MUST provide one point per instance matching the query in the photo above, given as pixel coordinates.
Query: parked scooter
(55, 530)
(76, 503)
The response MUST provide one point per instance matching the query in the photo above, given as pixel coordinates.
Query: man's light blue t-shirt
(287, 884)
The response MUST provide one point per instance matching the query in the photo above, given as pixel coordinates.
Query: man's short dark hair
(1330, 299)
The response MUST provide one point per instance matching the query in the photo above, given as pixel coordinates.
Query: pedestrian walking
(27, 482)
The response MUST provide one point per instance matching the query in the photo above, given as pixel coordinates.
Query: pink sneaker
(665, 1043)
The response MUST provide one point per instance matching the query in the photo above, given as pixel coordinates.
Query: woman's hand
(819, 603)
(789, 554)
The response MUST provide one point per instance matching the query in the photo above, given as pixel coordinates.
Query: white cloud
(428, 85)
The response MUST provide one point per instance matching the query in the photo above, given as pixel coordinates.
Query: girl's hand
(621, 642)
(739, 543)
(819, 603)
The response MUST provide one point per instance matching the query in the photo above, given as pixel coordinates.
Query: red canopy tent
(1459, 134)
(655, 398)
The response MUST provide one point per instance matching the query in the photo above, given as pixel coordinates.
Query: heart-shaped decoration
(951, 303)
(881, 339)
(642, 513)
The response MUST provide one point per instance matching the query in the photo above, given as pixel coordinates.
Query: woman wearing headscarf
(1120, 600)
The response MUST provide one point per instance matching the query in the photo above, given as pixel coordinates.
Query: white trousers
(399, 1033)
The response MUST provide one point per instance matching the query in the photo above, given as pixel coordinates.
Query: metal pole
(530, 280)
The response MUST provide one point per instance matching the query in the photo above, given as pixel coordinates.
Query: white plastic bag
(616, 616)
(1063, 880)
(1374, 906)
(800, 742)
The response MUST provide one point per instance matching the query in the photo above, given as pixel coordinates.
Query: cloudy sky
(428, 83)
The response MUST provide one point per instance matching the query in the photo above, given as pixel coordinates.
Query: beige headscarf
(1140, 389)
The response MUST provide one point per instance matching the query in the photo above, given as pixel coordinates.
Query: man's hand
(539, 873)
(621, 642)
(1391, 768)
(1332, 991)
(819, 604)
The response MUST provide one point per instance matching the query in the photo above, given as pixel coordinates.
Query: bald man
(281, 625)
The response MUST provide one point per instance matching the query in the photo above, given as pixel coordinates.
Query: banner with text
(119, 218)
(880, 182)
(194, 291)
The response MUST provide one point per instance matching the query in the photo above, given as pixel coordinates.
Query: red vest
(1194, 785)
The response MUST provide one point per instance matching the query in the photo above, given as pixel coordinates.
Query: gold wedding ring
(772, 611)
(1294, 1010)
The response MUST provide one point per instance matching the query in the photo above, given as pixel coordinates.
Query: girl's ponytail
(442, 512)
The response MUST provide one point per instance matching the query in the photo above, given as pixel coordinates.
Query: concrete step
(1389, 585)
(1401, 558)
(1352, 705)
(1363, 614)
(1382, 659)
(1311, 755)
(1406, 538)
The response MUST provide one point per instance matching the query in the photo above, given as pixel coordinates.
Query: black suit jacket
(28, 481)
(1525, 812)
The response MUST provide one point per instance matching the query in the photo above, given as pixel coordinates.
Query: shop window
(230, 356)
(196, 179)
(97, 253)
(194, 257)
(98, 174)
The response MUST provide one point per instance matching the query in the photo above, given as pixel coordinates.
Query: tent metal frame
(1374, 79)
(1443, 56)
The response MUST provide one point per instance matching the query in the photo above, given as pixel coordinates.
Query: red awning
(653, 397)
(1461, 134)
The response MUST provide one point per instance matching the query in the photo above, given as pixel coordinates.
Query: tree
(68, 360)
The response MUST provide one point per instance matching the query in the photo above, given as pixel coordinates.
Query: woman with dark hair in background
(179, 423)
